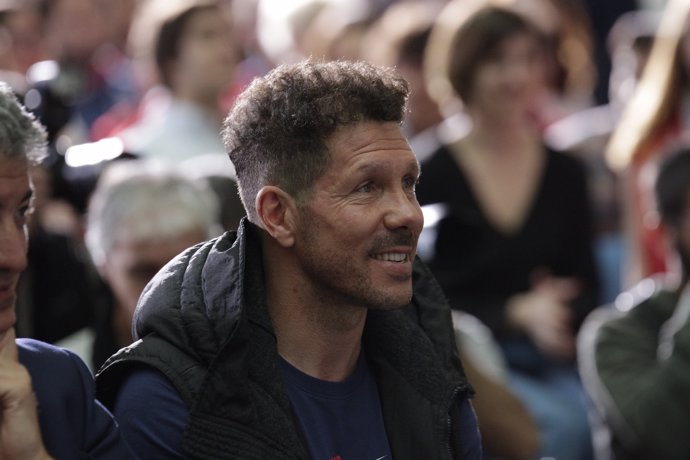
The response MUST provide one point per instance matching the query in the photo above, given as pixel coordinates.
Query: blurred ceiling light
(93, 153)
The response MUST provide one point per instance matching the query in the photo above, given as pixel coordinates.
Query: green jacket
(635, 365)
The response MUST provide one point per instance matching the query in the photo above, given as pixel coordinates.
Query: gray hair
(143, 200)
(21, 135)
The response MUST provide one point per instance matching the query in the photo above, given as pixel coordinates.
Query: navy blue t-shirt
(152, 418)
(340, 420)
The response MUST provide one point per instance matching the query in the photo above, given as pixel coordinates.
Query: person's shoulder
(36, 353)
(144, 383)
(151, 414)
(45, 361)
(73, 423)
(639, 312)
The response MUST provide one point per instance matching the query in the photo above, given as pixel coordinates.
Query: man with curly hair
(313, 331)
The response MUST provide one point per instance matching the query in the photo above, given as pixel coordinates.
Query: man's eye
(410, 182)
(366, 188)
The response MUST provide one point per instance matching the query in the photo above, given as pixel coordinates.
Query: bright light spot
(625, 301)
(43, 71)
(94, 152)
(433, 213)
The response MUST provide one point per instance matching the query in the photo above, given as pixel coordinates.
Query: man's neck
(313, 349)
(319, 337)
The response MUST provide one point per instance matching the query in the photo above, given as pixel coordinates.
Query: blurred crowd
(133, 94)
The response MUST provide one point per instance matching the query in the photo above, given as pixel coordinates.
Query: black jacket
(203, 323)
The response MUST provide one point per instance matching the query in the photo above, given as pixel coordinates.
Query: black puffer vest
(202, 321)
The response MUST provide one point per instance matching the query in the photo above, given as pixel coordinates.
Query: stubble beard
(337, 278)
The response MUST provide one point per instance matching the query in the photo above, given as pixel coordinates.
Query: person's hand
(20, 433)
(544, 315)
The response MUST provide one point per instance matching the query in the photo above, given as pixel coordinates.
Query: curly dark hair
(277, 131)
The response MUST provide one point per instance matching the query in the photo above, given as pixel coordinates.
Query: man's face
(357, 235)
(130, 265)
(15, 204)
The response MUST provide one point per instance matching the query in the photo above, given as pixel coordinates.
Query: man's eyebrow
(25, 200)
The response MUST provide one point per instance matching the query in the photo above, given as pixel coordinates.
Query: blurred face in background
(511, 81)
(207, 55)
(22, 37)
(130, 264)
(75, 29)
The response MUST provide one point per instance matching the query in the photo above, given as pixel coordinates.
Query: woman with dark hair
(195, 58)
(514, 247)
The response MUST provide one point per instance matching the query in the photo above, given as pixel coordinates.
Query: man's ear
(277, 213)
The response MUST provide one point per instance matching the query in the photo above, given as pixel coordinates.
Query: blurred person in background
(21, 41)
(634, 352)
(586, 133)
(222, 180)
(653, 123)
(85, 77)
(603, 16)
(195, 57)
(514, 244)
(570, 46)
(399, 39)
(141, 215)
(568, 54)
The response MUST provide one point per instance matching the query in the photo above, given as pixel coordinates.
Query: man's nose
(404, 211)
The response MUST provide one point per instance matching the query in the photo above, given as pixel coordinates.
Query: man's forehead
(356, 136)
(14, 179)
(12, 164)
